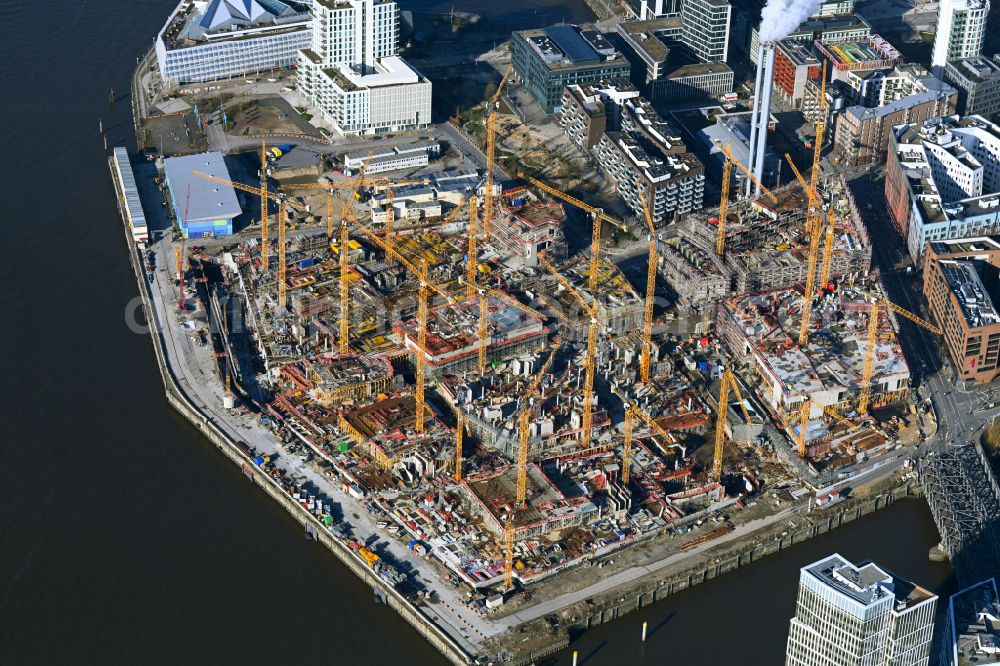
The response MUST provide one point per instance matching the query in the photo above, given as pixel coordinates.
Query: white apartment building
(352, 74)
(960, 30)
(859, 615)
(208, 40)
(946, 177)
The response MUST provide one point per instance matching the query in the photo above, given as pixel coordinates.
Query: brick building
(961, 284)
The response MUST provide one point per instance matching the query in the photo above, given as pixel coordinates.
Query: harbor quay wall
(229, 448)
(825, 521)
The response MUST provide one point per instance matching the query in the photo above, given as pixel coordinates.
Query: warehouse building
(203, 209)
(393, 158)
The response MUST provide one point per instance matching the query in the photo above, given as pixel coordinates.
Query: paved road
(959, 412)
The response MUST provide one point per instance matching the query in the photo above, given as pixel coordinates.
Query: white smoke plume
(780, 17)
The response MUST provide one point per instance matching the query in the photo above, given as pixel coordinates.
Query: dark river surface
(125, 538)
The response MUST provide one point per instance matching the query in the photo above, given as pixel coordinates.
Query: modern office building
(961, 282)
(218, 39)
(202, 208)
(959, 33)
(972, 634)
(645, 10)
(351, 72)
(591, 109)
(867, 71)
(665, 67)
(549, 59)
(705, 28)
(859, 615)
(943, 180)
(978, 82)
(645, 46)
(862, 133)
(648, 160)
(689, 82)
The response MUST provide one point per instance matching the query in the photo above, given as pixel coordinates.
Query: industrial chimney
(760, 114)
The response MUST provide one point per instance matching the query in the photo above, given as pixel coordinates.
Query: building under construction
(766, 247)
(452, 344)
(760, 330)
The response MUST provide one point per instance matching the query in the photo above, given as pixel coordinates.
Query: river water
(126, 539)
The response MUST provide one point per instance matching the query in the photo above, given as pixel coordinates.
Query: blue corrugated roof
(572, 44)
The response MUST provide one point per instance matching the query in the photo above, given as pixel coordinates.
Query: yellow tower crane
(459, 436)
(524, 428)
(491, 141)
(472, 261)
(283, 204)
(728, 383)
(720, 234)
(508, 553)
(818, 141)
(878, 303)
(814, 223)
(344, 249)
(633, 412)
(804, 426)
(265, 241)
(647, 319)
(426, 287)
(598, 216)
(591, 360)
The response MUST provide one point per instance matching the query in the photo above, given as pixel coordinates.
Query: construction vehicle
(728, 383)
(598, 216)
(720, 233)
(878, 303)
(591, 359)
(491, 140)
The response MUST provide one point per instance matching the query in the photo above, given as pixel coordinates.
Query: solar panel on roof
(572, 44)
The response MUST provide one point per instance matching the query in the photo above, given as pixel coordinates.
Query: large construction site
(430, 345)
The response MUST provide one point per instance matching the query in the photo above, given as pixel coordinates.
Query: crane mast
(803, 427)
(524, 432)
(869, 367)
(591, 359)
(647, 319)
(491, 152)
(265, 241)
(720, 234)
(728, 383)
(421, 345)
(866, 376)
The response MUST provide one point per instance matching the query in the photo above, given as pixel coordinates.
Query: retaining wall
(228, 447)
